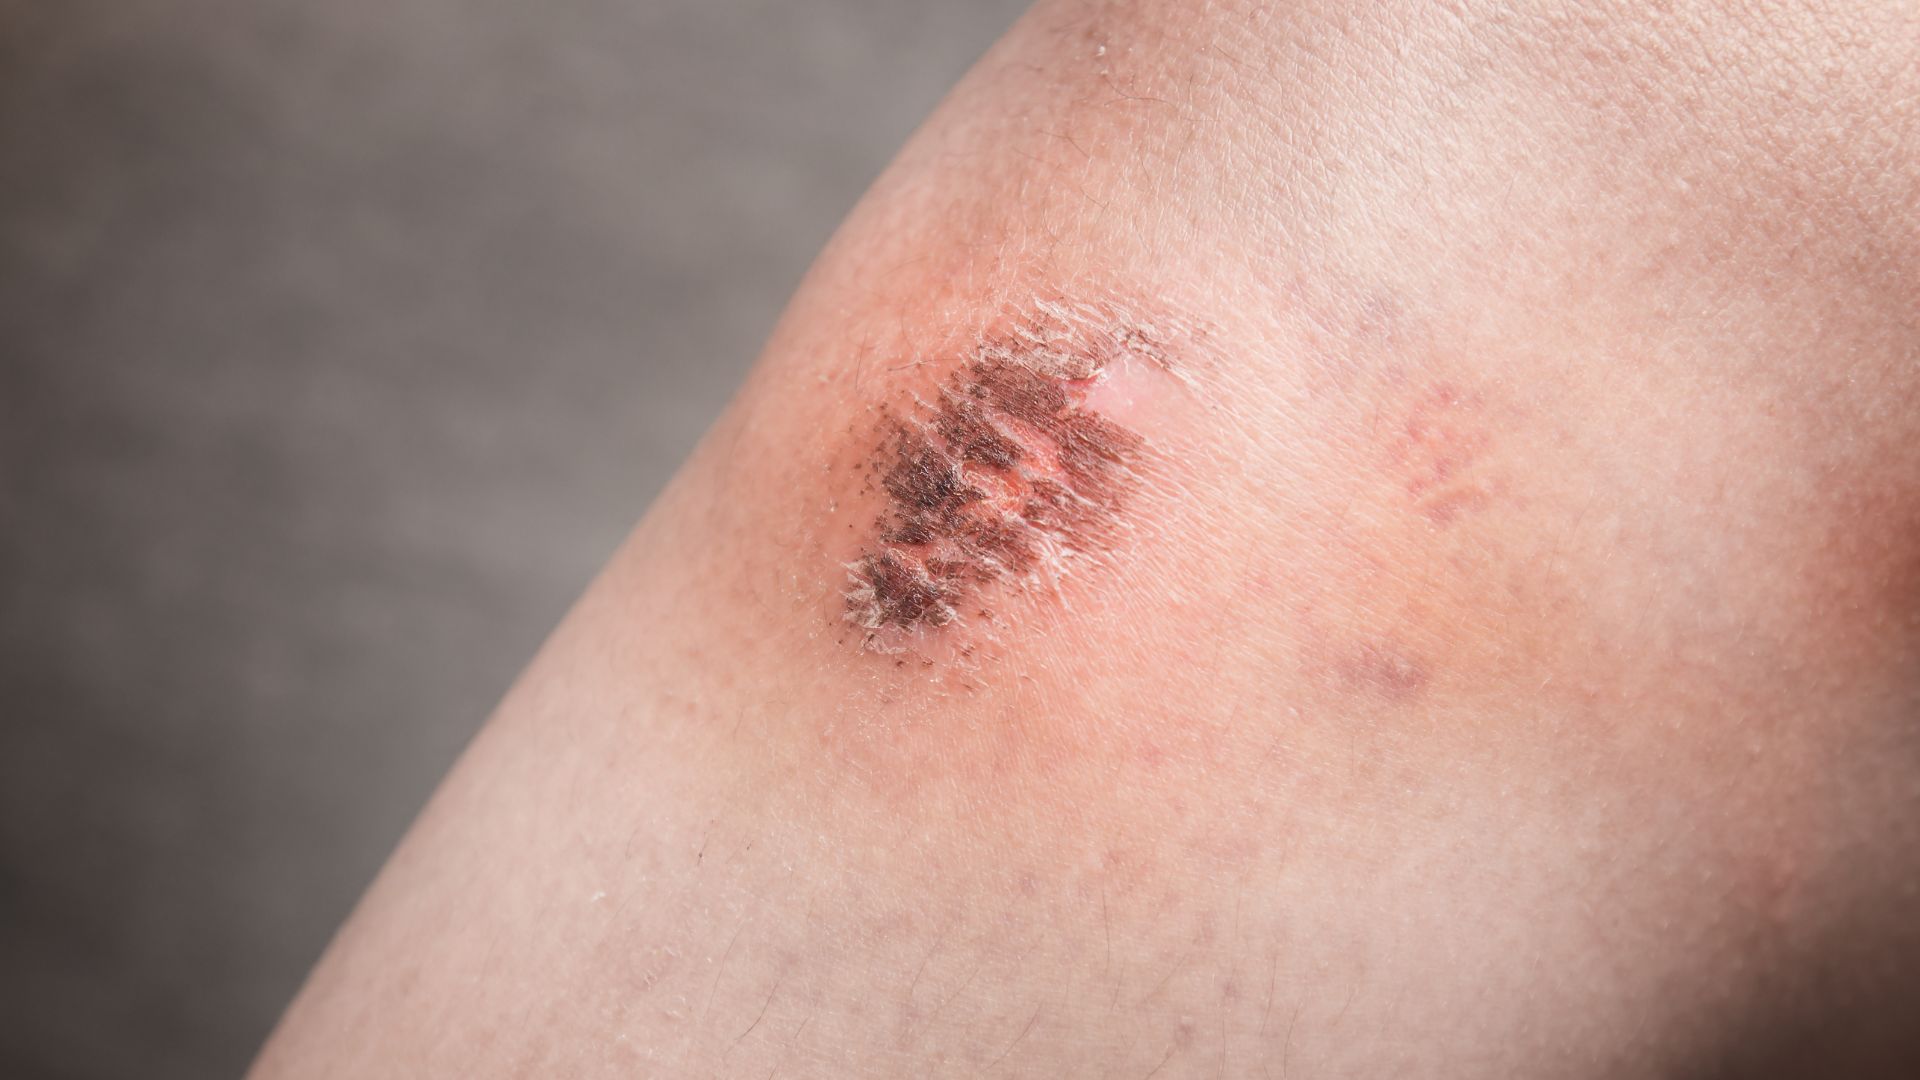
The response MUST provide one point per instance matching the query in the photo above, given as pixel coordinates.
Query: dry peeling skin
(1007, 479)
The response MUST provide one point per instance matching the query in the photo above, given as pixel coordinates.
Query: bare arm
(1339, 540)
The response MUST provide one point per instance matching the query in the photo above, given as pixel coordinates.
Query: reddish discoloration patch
(1437, 448)
(1385, 670)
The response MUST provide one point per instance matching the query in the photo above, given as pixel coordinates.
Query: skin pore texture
(1330, 540)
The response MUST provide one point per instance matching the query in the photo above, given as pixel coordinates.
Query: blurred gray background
(340, 342)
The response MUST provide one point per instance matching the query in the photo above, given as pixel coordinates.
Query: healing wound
(1005, 477)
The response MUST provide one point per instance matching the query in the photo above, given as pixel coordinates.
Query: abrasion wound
(1005, 476)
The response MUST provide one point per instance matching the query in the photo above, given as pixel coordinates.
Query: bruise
(1004, 477)
(1438, 450)
(1383, 669)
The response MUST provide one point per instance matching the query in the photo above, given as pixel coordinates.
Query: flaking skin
(1005, 477)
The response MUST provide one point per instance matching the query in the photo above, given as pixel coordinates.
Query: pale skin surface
(1506, 665)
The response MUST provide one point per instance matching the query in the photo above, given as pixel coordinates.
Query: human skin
(1498, 659)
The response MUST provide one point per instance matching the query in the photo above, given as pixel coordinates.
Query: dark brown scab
(1004, 471)
(1094, 451)
(917, 529)
(1049, 504)
(1019, 392)
(904, 591)
(921, 473)
(950, 569)
(965, 426)
(1000, 542)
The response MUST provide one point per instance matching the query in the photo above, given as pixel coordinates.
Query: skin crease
(1504, 663)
